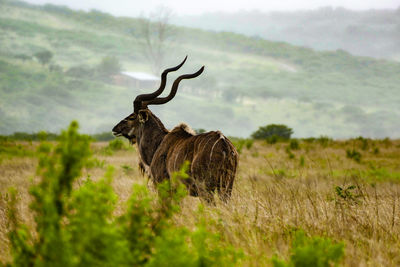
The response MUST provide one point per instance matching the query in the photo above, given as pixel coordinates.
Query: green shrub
(347, 194)
(324, 140)
(289, 153)
(309, 139)
(44, 57)
(353, 154)
(302, 161)
(108, 66)
(127, 169)
(9, 149)
(364, 143)
(114, 145)
(312, 251)
(249, 143)
(272, 139)
(77, 226)
(294, 144)
(240, 143)
(279, 130)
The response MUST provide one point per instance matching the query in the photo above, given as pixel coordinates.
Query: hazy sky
(188, 7)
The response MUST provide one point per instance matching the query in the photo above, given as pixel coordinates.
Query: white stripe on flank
(212, 149)
(177, 154)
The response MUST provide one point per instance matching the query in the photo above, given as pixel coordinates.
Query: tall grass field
(305, 202)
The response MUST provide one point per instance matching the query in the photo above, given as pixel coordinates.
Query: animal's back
(214, 163)
(213, 160)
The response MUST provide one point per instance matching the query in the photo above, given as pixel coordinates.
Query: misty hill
(374, 33)
(248, 81)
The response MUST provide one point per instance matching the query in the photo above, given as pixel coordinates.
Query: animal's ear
(143, 116)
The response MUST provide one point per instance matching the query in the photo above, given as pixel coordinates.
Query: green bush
(353, 154)
(114, 145)
(108, 66)
(294, 144)
(77, 226)
(302, 161)
(279, 130)
(43, 57)
(9, 149)
(240, 143)
(324, 140)
(312, 251)
(273, 139)
(347, 194)
(289, 153)
(364, 143)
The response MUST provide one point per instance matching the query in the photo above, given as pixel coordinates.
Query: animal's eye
(132, 118)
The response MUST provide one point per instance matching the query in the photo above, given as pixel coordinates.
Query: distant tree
(108, 66)
(157, 33)
(273, 130)
(44, 57)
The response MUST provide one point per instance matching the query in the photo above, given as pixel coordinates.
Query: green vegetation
(294, 144)
(312, 251)
(249, 81)
(22, 136)
(241, 143)
(43, 57)
(10, 149)
(116, 144)
(297, 212)
(108, 66)
(76, 226)
(347, 194)
(353, 154)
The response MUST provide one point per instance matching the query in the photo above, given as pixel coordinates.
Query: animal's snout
(117, 130)
(116, 134)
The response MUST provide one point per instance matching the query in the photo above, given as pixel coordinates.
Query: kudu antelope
(213, 159)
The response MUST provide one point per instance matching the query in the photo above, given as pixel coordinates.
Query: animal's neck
(150, 135)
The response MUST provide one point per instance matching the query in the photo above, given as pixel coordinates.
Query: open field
(348, 191)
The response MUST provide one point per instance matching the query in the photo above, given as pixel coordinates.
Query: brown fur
(213, 159)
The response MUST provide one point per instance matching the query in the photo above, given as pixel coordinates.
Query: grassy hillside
(248, 82)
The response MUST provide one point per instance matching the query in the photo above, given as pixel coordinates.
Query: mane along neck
(150, 135)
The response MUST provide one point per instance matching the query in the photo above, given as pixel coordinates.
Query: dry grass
(272, 196)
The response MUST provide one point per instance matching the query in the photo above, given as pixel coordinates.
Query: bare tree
(158, 34)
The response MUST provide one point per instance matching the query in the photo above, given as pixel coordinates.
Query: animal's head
(130, 125)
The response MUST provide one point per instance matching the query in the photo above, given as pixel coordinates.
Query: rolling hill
(248, 81)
